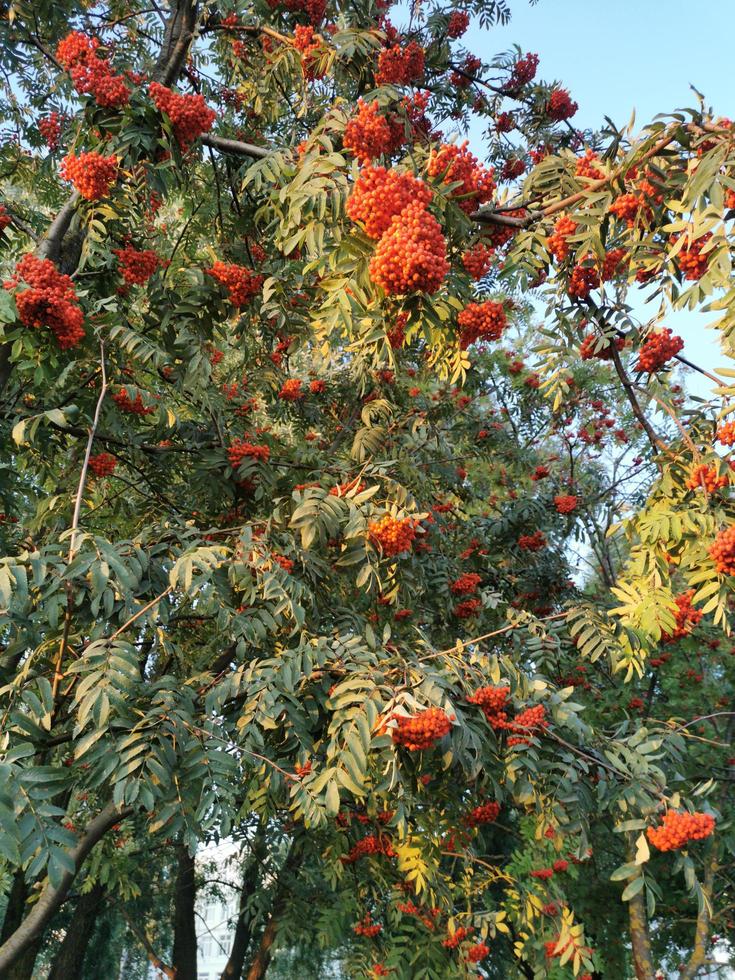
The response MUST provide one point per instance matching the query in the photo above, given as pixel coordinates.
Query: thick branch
(701, 935)
(236, 147)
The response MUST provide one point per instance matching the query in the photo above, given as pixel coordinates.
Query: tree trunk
(261, 960)
(185, 937)
(640, 940)
(69, 960)
(244, 926)
(701, 936)
(15, 908)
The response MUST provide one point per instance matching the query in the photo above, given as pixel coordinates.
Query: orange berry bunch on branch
(103, 464)
(369, 134)
(691, 260)
(367, 846)
(189, 114)
(687, 618)
(241, 450)
(466, 584)
(657, 350)
(588, 349)
(482, 814)
(400, 65)
(726, 434)
(723, 551)
(558, 242)
(136, 267)
(678, 828)
(392, 535)
(132, 406)
(291, 390)
(423, 730)
(412, 254)
(50, 301)
(565, 503)
(478, 260)
(379, 195)
(454, 164)
(78, 53)
(481, 321)
(91, 174)
(240, 282)
(494, 704)
(531, 720)
(703, 477)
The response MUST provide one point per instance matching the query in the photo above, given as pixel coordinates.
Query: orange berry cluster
(726, 434)
(466, 584)
(50, 129)
(412, 254)
(613, 263)
(137, 267)
(455, 163)
(379, 970)
(291, 390)
(371, 844)
(582, 281)
(690, 259)
(588, 348)
(631, 208)
(397, 334)
(707, 478)
(524, 71)
(481, 321)
(586, 166)
(379, 195)
(422, 730)
(679, 828)
(287, 564)
(657, 349)
(132, 406)
(103, 464)
(565, 503)
(494, 704)
(240, 282)
(477, 952)
(723, 551)
(369, 135)
(485, 813)
(392, 535)
(458, 936)
(366, 927)
(189, 114)
(342, 488)
(307, 41)
(532, 542)
(560, 105)
(478, 260)
(558, 243)
(92, 174)
(51, 301)
(530, 720)
(240, 449)
(457, 24)
(91, 74)
(467, 609)
(5, 218)
(687, 618)
(400, 66)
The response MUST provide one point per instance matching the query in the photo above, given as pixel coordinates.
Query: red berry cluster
(631, 208)
(379, 195)
(523, 72)
(400, 65)
(369, 135)
(50, 129)
(706, 478)
(658, 348)
(687, 617)
(614, 263)
(456, 937)
(560, 105)
(372, 844)
(467, 609)
(412, 254)
(532, 542)
(582, 281)
(455, 163)
(558, 243)
(136, 267)
(314, 9)
(485, 813)
(726, 434)
(679, 828)
(478, 260)
(291, 390)
(494, 704)
(588, 348)
(189, 114)
(5, 218)
(481, 321)
(92, 174)
(422, 730)
(397, 334)
(530, 720)
(690, 259)
(466, 584)
(477, 952)
(308, 42)
(457, 24)
(366, 927)
(91, 74)
(240, 450)
(50, 301)
(103, 464)
(723, 551)
(587, 166)
(241, 283)
(392, 535)
(565, 503)
(131, 406)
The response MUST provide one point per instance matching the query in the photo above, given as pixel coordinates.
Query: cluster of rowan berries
(530, 720)
(454, 163)
(412, 255)
(302, 770)
(482, 814)
(400, 65)
(691, 260)
(422, 730)
(366, 927)
(380, 970)
(50, 129)
(314, 9)
(240, 282)
(342, 488)
(532, 542)
(131, 406)
(687, 617)
(91, 74)
(704, 477)
(613, 263)
(540, 473)
(103, 464)
(589, 349)
(457, 24)
(466, 584)
(189, 114)
(458, 936)
(481, 321)
(136, 267)
(582, 281)
(477, 952)
(494, 704)
(726, 434)
(308, 43)
(565, 503)
(379, 195)
(658, 348)
(722, 551)
(587, 166)
(467, 72)
(397, 333)
(50, 301)
(560, 105)
(240, 450)
(369, 134)
(91, 173)
(287, 564)
(632, 209)
(512, 168)
(678, 828)
(392, 535)
(291, 390)
(478, 259)
(369, 845)
(467, 609)
(523, 72)
(558, 242)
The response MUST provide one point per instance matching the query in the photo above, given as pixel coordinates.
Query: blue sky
(619, 56)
